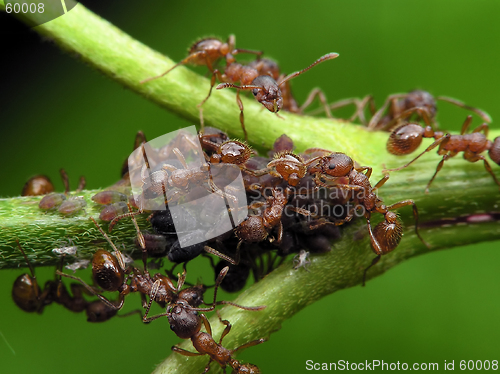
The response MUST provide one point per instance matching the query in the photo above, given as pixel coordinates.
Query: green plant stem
(461, 189)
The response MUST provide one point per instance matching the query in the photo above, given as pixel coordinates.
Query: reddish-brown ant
(386, 236)
(402, 106)
(208, 52)
(407, 138)
(204, 342)
(265, 88)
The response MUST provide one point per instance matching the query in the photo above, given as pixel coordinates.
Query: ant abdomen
(494, 151)
(25, 293)
(97, 311)
(252, 230)
(405, 139)
(389, 233)
(107, 272)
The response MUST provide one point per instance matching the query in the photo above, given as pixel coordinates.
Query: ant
(406, 139)
(265, 88)
(37, 185)
(28, 296)
(26, 292)
(402, 106)
(385, 237)
(204, 342)
(208, 52)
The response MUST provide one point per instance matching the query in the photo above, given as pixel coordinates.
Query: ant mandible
(422, 103)
(408, 137)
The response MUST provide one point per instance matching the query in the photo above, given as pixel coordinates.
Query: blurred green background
(55, 112)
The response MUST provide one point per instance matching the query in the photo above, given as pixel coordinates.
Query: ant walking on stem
(408, 137)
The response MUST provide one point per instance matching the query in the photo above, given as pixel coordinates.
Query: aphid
(205, 344)
(72, 206)
(55, 200)
(265, 88)
(407, 138)
(108, 197)
(386, 236)
(111, 211)
(38, 185)
(401, 107)
(51, 201)
(301, 260)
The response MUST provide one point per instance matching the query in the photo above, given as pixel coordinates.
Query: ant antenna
(329, 56)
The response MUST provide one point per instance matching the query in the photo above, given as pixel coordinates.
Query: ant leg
(485, 116)
(407, 113)
(242, 118)
(374, 262)
(92, 290)
(440, 165)
(81, 184)
(484, 128)
(249, 344)
(466, 125)
(487, 166)
(377, 248)
(182, 62)
(368, 170)
(215, 74)
(381, 182)
(65, 179)
(374, 121)
(227, 329)
(321, 96)
(220, 255)
(185, 352)
(415, 215)
(206, 324)
(442, 141)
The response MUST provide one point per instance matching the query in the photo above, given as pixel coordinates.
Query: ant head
(184, 321)
(389, 232)
(268, 93)
(419, 98)
(247, 369)
(405, 139)
(336, 165)
(232, 152)
(290, 166)
(193, 295)
(494, 151)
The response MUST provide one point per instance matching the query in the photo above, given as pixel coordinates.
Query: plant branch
(461, 192)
